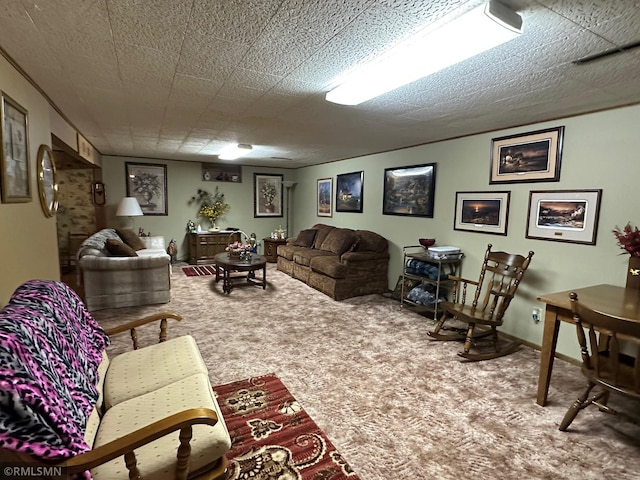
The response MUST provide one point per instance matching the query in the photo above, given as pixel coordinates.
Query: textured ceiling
(178, 79)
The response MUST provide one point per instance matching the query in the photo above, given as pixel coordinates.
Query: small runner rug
(272, 437)
(199, 270)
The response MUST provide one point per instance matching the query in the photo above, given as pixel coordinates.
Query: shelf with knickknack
(425, 277)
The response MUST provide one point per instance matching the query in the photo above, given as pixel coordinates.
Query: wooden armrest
(455, 278)
(125, 445)
(131, 326)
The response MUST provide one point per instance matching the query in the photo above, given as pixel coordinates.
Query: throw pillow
(120, 249)
(339, 241)
(130, 238)
(305, 238)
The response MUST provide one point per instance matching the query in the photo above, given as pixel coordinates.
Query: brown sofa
(339, 262)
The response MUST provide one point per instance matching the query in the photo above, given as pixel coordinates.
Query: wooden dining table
(619, 302)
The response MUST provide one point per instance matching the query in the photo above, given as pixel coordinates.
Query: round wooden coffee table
(227, 269)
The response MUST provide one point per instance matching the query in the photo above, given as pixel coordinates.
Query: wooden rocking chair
(500, 276)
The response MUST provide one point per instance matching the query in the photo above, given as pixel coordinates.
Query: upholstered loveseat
(339, 262)
(119, 269)
(148, 413)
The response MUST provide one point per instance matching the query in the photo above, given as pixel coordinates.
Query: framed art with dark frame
(482, 212)
(529, 157)
(349, 191)
(325, 197)
(147, 182)
(267, 195)
(409, 191)
(564, 215)
(14, 160)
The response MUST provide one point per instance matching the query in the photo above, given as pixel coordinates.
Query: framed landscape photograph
(529, 157)
(147, 182)
(267, 195)
(349, 190)
(482, 212)
(14, 158)
(409, 191)
(325, 197)
(564, 215)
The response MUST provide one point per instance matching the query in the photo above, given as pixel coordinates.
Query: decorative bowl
(427, 242)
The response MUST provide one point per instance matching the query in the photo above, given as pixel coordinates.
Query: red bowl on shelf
(427, 242)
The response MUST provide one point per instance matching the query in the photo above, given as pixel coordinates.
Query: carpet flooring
(395, 404)
(272, 435)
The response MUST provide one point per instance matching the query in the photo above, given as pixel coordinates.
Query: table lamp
(129, 207)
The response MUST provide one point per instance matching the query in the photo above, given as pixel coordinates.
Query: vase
(270, 208)
(633, 273)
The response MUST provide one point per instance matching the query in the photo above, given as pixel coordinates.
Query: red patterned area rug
(199, 270)
(272, 437)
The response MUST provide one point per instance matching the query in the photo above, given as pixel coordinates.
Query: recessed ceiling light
(233, 151)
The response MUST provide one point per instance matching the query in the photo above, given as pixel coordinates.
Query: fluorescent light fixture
(233, 151)
(430, 51)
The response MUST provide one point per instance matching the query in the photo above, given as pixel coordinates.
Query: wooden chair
(500, 276)
(604, 365)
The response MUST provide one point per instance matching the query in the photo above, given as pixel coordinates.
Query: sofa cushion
(130, 238)
(118, 248)
(157, 459)
(304, 255)
(370, 242)
(137, 372)
(323, 231)
(339, 240)
(305, 238)
(329, 265)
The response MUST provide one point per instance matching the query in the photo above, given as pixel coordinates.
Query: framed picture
(14, 160)
(564, 215)
(325, 197)
(148, 183)
(267, 195)
(482, 212)
(349, 188)
(409, 190)
(47, 183)
(216, 172)
(529, 157)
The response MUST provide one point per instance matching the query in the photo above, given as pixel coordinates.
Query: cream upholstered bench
(152, 413)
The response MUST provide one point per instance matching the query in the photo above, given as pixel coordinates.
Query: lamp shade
(129, 207)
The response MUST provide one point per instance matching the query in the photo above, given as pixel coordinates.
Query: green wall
(183, 181)
(600, 152)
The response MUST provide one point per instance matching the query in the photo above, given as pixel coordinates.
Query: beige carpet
(396, 405)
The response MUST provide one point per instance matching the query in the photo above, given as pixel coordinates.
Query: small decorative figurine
(172, 250)
(191, 226)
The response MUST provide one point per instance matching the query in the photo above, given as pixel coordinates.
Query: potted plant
(628, 239)
(212, 206)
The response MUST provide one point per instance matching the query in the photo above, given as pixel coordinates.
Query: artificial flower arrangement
(269, 192)
(239, 250)
(628, 239)
(212, 205)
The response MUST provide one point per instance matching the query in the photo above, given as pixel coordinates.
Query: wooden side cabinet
(271, 248)
(203, 246)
